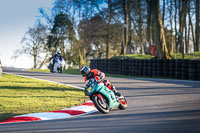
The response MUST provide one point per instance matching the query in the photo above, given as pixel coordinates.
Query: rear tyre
(123, 104)
(102, 107)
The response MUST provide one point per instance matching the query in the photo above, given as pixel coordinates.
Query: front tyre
(102, 106)
(59, 69)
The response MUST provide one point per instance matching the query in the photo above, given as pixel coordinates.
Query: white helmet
(58, 52)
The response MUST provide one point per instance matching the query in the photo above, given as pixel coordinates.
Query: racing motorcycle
(58, 66)
(103, 98)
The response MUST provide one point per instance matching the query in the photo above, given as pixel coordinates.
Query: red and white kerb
(82, 109)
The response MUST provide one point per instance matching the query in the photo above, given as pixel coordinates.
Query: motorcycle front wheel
(59, 69)
(101, 103)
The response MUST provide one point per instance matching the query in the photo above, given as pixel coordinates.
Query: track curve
(155, 106)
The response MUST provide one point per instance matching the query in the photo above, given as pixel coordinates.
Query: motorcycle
(103, 98)
(58, 66)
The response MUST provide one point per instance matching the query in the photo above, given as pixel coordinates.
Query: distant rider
(99, 76)
(55, 58)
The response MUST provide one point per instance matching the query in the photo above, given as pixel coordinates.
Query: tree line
(85, 29)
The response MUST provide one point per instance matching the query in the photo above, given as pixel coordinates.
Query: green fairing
(94, 87)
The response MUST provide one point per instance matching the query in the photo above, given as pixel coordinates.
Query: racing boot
(111, 87)
(116, 92)
(52, 70)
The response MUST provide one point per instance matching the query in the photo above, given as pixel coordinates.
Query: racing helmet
(58, 53)
(84, 70)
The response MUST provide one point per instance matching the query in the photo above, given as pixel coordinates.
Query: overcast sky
(15, 18)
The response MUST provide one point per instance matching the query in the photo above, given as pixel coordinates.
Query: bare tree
(163, 12)
(110, 14)
(149, 22)
(34, 42)
(192, 28)
(159, 35)
(170, 10)
(140, 26)
(126, 20)
(175, 25)
(197, 44)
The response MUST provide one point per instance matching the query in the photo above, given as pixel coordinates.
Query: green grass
(68, 71)
(39, 70)
(20, 95)
(72, 71)
(135, 56)
(195, 55)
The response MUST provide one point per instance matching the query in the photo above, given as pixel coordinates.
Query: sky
(15, 18)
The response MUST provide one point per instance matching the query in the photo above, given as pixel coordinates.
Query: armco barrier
(176, 69)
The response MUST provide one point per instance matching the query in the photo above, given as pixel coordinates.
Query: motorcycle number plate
(89, 89)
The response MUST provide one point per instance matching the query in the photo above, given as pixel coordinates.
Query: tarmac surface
(154, 106)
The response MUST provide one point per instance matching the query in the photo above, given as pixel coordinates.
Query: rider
(99, 76)
(55, 58)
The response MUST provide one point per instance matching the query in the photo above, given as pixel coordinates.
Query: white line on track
(46, 80)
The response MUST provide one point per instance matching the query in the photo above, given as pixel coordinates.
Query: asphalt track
(155, 106)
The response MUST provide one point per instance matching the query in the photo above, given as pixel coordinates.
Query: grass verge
(19, 95)
(195, 55)
(72, 71)
(134, 56)
(68, 71)
(39, 70)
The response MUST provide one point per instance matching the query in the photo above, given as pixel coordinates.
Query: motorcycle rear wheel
(123, 104)
(102, 107)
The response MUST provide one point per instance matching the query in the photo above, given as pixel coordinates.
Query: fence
(175, 69)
